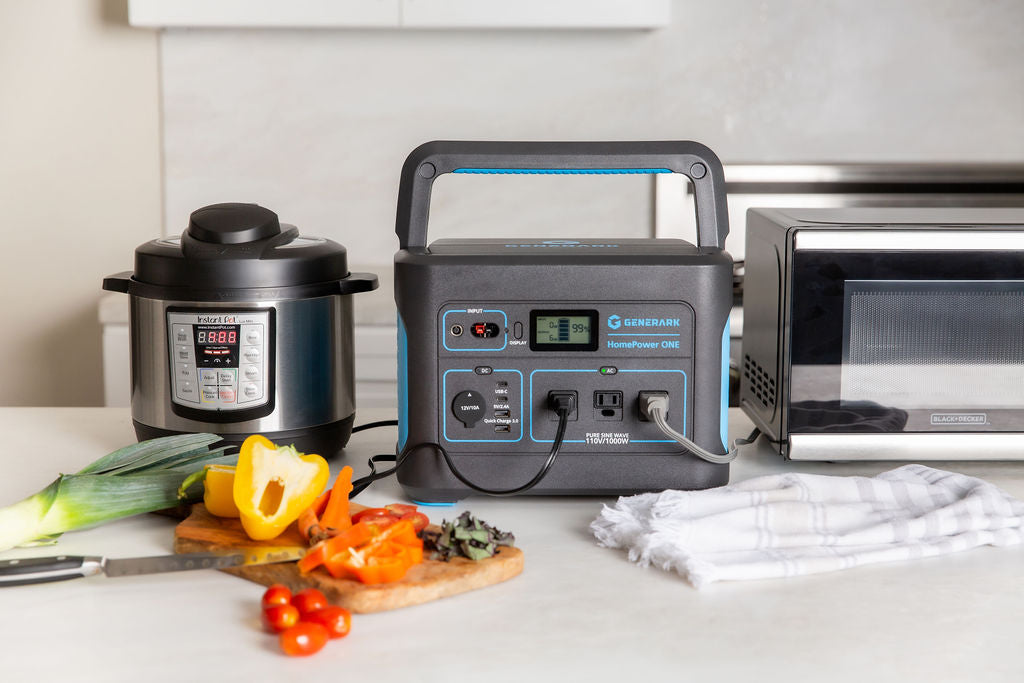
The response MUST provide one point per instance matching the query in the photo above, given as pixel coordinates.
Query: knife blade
(28, 570)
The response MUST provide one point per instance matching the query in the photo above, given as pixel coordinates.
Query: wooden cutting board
(428, 581)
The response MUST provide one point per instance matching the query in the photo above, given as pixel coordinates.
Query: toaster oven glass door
(907, 342)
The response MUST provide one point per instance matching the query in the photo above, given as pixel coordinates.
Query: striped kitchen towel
(793, 524)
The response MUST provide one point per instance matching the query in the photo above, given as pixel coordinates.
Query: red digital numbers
(217, 337)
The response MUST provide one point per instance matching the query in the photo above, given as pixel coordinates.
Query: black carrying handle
(432, 159)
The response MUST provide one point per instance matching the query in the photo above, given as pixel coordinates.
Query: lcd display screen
(563, 330)
(217, 345)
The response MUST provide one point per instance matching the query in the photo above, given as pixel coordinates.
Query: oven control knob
(468, 407)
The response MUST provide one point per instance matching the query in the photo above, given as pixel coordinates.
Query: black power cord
(561, 403)
(374, 425)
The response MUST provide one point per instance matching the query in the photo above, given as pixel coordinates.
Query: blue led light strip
(564, 171)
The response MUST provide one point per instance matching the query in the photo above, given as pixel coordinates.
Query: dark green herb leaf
(466, 537)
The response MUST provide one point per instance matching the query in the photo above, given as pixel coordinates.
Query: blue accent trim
(444, 408)
(403, 384)
(598, 371)
(434, 505)
(723, 420)
(563, 171)
(642, 334)
(444, 329)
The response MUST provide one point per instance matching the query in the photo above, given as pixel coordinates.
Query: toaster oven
(887, 333)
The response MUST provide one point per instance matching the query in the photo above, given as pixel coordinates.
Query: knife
(62, 567)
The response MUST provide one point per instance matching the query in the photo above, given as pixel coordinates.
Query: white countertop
(577, 612)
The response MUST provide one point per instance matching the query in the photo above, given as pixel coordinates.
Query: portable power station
(513, 350)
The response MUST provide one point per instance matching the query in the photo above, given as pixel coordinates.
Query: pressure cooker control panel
(219, 359)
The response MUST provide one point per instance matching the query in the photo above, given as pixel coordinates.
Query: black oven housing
(797, 317)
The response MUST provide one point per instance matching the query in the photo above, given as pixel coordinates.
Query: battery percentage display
(562, 329)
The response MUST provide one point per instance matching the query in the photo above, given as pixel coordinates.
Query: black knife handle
(44, 569)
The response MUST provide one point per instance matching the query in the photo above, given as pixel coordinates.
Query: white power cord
(654, 405)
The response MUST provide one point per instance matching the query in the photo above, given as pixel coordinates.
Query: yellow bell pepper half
(219, 491)
(274, 484)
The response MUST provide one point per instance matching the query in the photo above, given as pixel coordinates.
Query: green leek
(143, 477)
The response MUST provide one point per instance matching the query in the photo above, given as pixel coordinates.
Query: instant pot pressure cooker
(242, 326)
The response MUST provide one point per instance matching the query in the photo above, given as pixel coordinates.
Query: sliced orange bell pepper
(388, 562)
(354, 536)
(336, 515)
(367, 552)
(313, 558)
(386, 557)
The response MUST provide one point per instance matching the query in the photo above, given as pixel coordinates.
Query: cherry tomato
(337, 620)
(399, 509)
(371, 512)
(277, 618)
(418, 519)
(303, 639)
(278, 594)
(308, 600)
(381, 523)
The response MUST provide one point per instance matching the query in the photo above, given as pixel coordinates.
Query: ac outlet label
(607, 438)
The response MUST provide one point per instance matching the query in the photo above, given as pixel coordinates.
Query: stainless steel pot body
(312, 367)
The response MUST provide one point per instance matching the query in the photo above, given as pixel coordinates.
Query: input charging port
(484, 330)
(456, 330)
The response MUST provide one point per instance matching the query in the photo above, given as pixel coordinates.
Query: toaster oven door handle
(692, 159)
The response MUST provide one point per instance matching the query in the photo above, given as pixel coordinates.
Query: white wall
(316, 124)
(79, 185)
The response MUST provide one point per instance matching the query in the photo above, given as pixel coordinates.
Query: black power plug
(560, 400)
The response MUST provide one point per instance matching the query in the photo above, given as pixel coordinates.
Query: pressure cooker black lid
(241, 251)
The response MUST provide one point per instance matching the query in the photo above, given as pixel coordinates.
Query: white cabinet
(404, 14)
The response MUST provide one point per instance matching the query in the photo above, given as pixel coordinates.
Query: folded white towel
(792, 524)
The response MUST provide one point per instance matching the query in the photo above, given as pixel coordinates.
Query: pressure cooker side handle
(118, 282)
(358, 282)
(432, 159)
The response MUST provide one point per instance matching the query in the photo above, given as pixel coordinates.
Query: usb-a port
(502, 413)
(502, 428)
